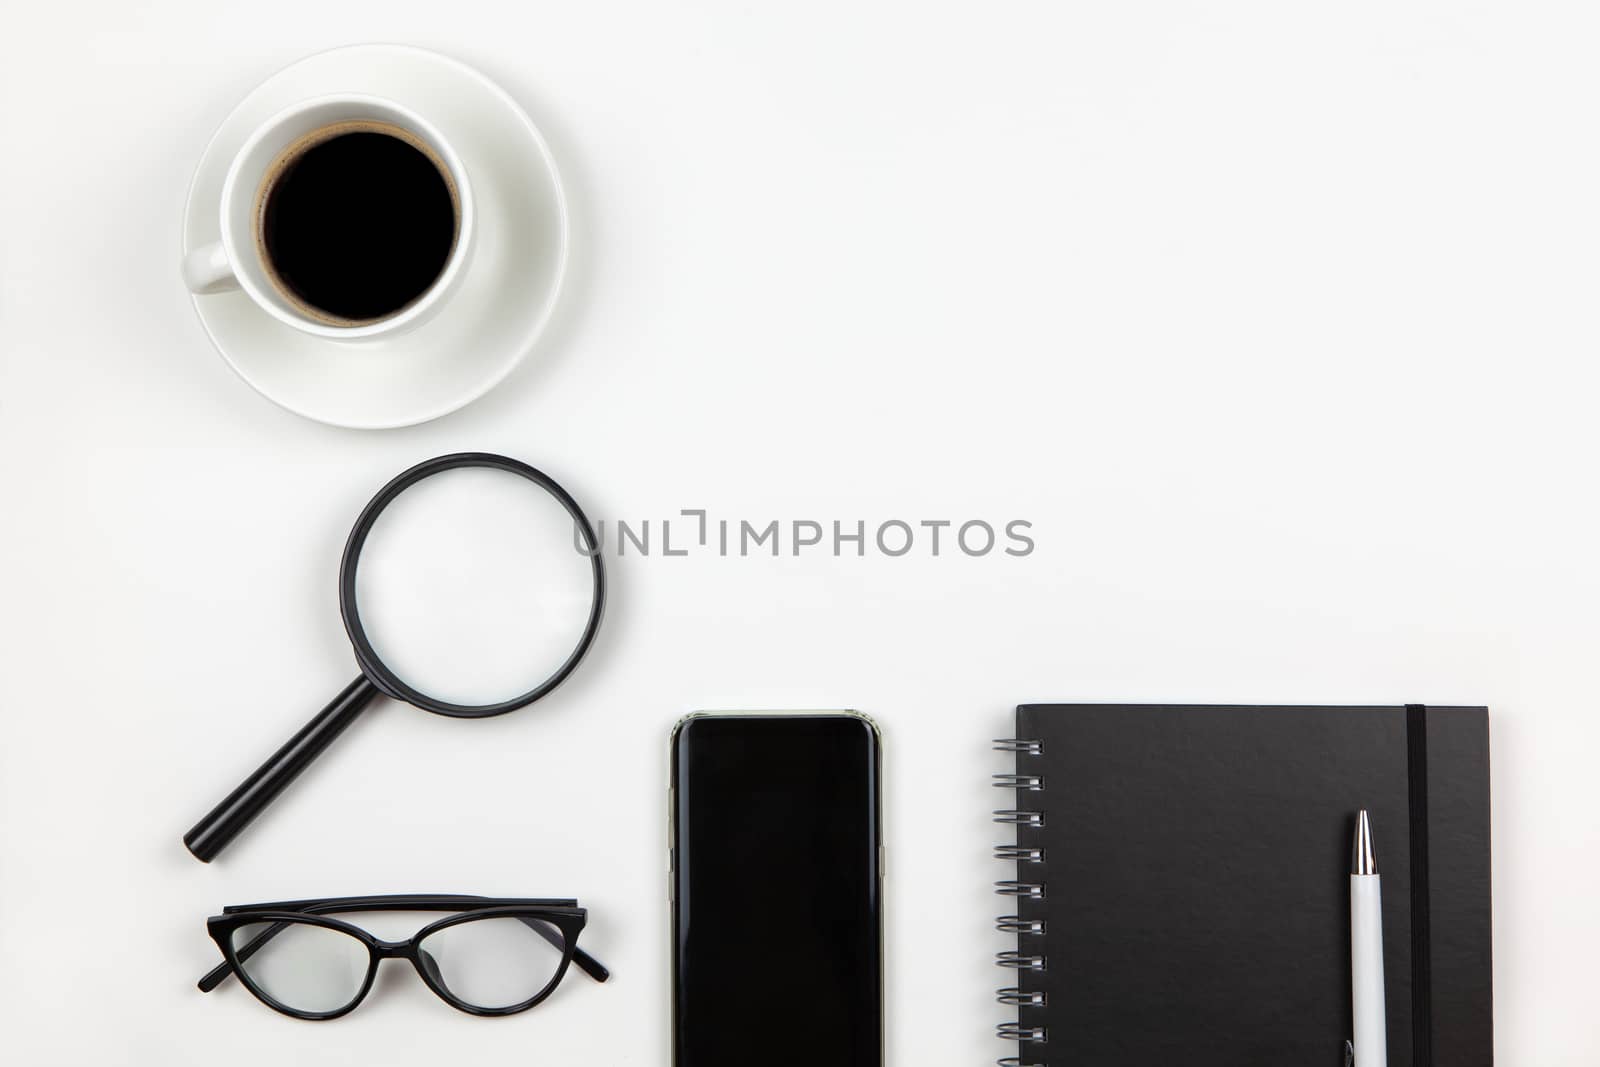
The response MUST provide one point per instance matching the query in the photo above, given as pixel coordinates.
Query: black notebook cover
(1189, 903)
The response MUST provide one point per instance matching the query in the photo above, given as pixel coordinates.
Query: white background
(1276, 320)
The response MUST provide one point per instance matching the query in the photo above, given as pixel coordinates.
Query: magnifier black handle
(222, 824)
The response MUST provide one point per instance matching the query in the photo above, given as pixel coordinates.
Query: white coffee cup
(235, 262)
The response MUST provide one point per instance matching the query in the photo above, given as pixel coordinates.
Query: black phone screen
(777, 908)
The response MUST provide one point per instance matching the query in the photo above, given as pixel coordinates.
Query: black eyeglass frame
(563, 914)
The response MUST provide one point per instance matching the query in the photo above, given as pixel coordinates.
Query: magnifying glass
(470, 586)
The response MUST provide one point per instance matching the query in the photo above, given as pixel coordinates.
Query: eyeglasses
(494, 956)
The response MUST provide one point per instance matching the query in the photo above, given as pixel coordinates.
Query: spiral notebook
(1181, 889)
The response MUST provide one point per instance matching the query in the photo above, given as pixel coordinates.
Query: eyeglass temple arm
(397, 902)
(586, 963)
(219, 973)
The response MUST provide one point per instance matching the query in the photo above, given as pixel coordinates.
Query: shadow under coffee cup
(348, 217)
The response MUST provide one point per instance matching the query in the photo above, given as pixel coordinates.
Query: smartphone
(776, 862)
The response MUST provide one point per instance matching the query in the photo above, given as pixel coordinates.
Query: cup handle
(206, 270)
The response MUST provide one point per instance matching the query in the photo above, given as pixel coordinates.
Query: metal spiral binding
(1018, 1032)
(1018, 854)
(1014, 817)
(1017, 960)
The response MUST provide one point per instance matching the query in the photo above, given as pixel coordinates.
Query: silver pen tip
(1363, 857)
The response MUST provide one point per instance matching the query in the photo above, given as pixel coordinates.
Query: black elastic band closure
(1421, 932)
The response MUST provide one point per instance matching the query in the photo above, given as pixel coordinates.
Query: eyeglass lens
(303, 967)
(495, 962)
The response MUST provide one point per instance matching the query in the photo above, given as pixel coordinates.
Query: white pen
(1371, 1044)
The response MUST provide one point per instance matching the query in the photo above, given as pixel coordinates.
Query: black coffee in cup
(356, 221)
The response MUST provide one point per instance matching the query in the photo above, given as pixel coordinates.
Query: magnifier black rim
(373, 667)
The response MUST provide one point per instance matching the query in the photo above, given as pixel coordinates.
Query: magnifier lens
(472, 588)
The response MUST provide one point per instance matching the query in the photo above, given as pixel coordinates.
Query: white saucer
(504, 300)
